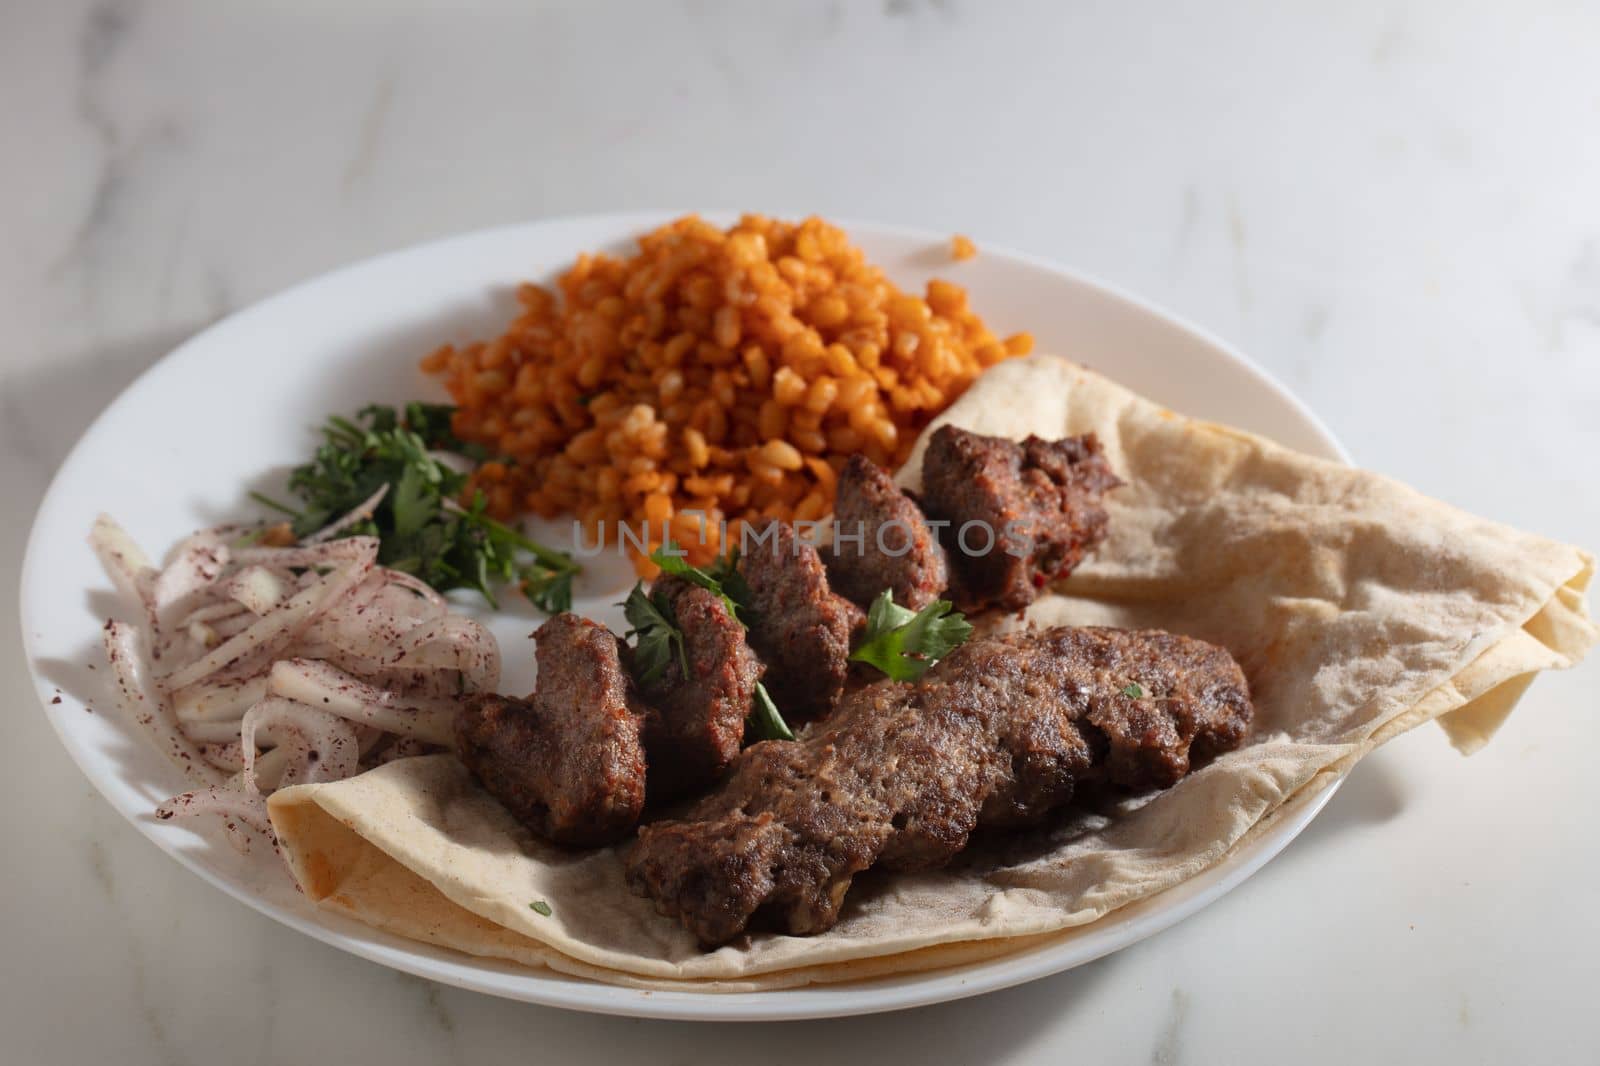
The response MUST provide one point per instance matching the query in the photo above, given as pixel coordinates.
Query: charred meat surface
(798, 625)
(566, 762)
(695, 721)
(1001, 732)
(1040, 501)
(882, 541)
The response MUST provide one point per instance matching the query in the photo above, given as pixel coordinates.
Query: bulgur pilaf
(729, 373)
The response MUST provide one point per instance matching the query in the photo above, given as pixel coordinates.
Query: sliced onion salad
(255, 668)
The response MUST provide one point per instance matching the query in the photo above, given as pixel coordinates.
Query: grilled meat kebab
(882, 541)
(694, 721)
(798, 626)
(1003, 731)
(567, 761)
(1034, 511)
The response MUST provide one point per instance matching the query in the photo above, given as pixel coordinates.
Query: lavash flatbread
(1358, 608)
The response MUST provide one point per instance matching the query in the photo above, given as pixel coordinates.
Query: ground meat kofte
(695, 722)
(1036, 505)
(798, 625)
(566, 762)
(1002, 731)
(881, 541)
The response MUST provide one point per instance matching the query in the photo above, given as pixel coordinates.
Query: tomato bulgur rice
(714, 377)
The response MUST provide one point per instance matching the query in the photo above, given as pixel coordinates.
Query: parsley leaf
(539, 906)
(654, 647)
(723, 577)
(903, 643)
(1133, 690)
(657, 640)
(420, 527)
(765, 719)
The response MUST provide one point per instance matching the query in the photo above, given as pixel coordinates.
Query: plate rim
(576, 993)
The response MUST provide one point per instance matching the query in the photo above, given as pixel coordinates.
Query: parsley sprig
(657, 640)
(420, 527)
(723, 578)
(903, 643)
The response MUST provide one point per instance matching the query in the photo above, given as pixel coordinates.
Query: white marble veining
(1394, 210)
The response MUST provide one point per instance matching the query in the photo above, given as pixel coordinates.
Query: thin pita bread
(1358, 607)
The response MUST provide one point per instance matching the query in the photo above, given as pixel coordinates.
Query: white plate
(235, 406)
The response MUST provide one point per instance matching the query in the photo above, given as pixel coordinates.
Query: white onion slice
(323, 746)
(415, 584)
(238, 809)
(213, 612)
(231, 626)
(129, 569)
(218, 701)
(197, 563)
(461, 644)
(361, 512)
(225, 756)
(331, 689)
(328, 554)
(411, 680)
(211, 732)
(258, 589)
(266, 771)
(124, 561)
(125, 651)
(273, 630)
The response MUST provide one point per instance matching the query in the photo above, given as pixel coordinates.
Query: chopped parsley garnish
(539, 906)
(1133, 690)
(420, 527)
(903, 643)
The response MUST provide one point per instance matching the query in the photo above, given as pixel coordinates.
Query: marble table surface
(1396, 212)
